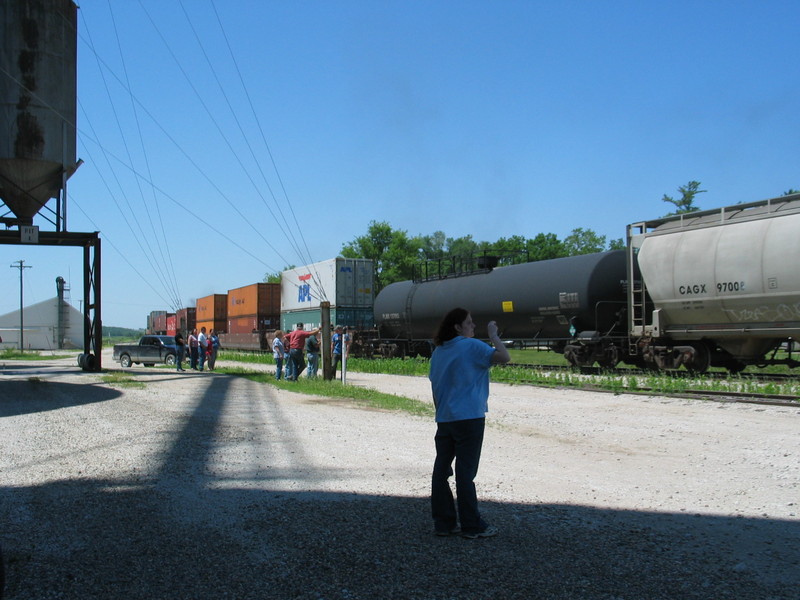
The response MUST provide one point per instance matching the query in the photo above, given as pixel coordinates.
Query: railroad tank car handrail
(726, 214)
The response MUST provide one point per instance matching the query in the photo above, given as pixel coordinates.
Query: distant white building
(50, 325)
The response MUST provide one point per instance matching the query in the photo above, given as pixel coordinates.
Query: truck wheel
(125, 361)
(170, 360)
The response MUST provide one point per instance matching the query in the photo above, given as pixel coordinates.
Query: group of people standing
(290, 350)
(203, 349)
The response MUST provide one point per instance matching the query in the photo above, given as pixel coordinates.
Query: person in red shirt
(296, 341)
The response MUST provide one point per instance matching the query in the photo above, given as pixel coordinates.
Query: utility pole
(20, 264)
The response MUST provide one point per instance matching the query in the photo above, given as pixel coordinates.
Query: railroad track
(681, 374)
(749, 397)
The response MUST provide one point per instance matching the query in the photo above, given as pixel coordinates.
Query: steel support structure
(92, 322)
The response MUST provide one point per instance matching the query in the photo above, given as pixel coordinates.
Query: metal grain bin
(344, 282)
(38, 102)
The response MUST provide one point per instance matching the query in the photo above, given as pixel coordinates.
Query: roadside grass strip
(364, 397)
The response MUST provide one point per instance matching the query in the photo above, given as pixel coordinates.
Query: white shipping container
(344, 282)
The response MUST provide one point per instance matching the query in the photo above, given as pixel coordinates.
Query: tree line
(396, 254)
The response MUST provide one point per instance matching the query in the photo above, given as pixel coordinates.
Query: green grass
(363, 397)
(122, 379)
(655, 383)
(14, 354)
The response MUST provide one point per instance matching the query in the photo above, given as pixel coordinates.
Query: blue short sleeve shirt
(459, 378)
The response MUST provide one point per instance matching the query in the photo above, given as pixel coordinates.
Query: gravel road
(200, 485)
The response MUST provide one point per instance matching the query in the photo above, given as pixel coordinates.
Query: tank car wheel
(735, 367)
(702, 360)
(125, 361)
(610, 357)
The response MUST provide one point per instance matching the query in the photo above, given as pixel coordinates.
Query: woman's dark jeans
(462, 441)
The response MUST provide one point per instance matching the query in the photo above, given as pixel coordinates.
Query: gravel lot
(201, 485)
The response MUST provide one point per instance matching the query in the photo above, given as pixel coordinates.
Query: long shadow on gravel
(128, 546)
(49, 395)
(172, 535)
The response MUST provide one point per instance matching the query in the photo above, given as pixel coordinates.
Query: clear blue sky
(488, 119)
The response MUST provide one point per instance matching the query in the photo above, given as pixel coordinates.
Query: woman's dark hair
(447, 328)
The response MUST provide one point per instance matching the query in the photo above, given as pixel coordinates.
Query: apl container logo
(304, 289)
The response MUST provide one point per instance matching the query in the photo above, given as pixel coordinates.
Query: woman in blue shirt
(459, 376)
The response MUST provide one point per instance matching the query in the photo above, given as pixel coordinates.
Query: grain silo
(38, 100)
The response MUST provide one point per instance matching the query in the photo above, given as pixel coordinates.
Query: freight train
(710, 288)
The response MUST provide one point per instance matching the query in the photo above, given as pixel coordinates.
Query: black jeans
(462, 441)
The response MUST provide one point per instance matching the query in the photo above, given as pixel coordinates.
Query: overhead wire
(164, 193)
(303, 256)
(142, 238)
(165, 247)
(218, 127)
(189, 158)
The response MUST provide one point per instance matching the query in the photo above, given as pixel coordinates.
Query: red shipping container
(242, 324)
(171, 324)
(251, 323)
(160, 323)
(186, 320)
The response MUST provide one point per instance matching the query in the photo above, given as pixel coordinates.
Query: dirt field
(202, 485)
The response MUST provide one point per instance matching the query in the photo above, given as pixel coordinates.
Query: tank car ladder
(637, 291)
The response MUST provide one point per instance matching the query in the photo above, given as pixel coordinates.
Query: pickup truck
(150, 350)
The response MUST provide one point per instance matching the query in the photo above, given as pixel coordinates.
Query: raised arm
(501, 355)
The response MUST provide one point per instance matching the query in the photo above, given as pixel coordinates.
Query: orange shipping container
(218, 326)
(255, 299)
(212, 308)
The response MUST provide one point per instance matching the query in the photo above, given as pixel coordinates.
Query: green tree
(392, 251)
(432, 246)
(545, 246)
(617, 244)
(791, 191)
(584, 241)
(463, 246)
(276, 277)
(685, 204)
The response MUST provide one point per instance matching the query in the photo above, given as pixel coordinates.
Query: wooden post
(325, 339)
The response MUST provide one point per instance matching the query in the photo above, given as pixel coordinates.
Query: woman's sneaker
(490, 531)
